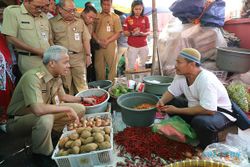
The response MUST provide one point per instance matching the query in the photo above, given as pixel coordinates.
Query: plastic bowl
(135, 117)
(103, 84)
(95, 108)
(157, 84)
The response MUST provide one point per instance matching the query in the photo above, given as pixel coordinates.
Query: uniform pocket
(25, 25)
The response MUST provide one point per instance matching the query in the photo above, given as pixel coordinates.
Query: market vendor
(38, 104)
(204, 94)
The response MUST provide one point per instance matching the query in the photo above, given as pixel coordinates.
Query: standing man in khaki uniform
(106, 32)
(28, 29)
(37, 103)
(70, 31)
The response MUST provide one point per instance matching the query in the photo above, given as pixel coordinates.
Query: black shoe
(41, 160)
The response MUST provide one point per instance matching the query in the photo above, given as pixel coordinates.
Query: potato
(62, 141)
(106, 122)
(88, 129)
(98, 137)
(107, 130)
(64, 153)
(95, 129)
(88, 147)
(79, 130)
(102, 132)
(60, 152)
(74, 136)
(77, 142)
(104, 145)
(107, 137)
(85, 134)
(68, 144)
(88, 140)
(74, 150)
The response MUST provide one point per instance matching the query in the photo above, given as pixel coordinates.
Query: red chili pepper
(144, 143)
(99, 99)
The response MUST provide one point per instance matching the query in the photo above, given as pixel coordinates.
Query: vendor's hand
(90, 100)
(159, 105)
(170, 109)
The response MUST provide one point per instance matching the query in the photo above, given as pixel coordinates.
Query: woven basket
(197, 163)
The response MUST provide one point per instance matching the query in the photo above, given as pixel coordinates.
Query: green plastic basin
(103, 84)
(157, 84)
(135, 117)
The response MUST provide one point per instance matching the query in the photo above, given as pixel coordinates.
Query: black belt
(72, 52)
(27, 54)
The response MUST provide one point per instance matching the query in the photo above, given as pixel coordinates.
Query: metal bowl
(98, 107)
(233, 59)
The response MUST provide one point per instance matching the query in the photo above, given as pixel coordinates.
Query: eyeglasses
(72, 11)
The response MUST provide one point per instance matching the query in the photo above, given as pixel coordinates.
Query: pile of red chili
(99, 99)
(143, 142)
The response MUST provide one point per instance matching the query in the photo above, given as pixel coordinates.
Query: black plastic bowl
(103, 84)
(135, 117)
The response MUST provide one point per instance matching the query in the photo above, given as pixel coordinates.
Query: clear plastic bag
(229, 155)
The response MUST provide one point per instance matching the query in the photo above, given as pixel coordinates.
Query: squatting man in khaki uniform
(70, 31)
(107, 30)
(28, 29)
(38, 102)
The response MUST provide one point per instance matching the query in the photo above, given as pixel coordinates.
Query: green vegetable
(238, 93)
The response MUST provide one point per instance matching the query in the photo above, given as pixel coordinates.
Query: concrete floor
(16, 152)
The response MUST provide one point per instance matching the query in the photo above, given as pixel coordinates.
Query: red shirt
(130, 24)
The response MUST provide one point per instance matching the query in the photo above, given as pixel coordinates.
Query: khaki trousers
(106, 56)
(76, 79)
(40, 127)
(136, 55)
(26, 63)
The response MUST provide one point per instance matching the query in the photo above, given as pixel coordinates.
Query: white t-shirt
(206, 91)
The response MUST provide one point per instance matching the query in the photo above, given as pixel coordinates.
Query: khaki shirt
(36, 86)
(107, 25)
(34, 31)
(70, 35)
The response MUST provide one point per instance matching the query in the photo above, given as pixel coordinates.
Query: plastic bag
(229, 155)
(238, 93)
(215, 15)
(236, 141)
(177, 129)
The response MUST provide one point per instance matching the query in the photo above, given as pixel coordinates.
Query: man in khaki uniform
(89, 15)
(106, 32)
(37, 103)
(28, 29)
(70, 31)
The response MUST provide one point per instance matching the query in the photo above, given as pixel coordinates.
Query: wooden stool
(137, 75)
(223, 134)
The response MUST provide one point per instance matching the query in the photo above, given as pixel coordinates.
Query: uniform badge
(57, 100)
(77, 36)
(40, 74)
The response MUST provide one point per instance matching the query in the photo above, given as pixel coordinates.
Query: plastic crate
(221, 75)
(100, 115)
(99, 157)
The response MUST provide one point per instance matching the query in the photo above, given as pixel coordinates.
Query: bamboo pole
(156, 63)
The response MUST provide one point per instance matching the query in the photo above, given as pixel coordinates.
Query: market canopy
(125, 5)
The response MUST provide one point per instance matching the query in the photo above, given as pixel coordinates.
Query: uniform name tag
(108, 28)
(57, 100)
(44, 91)
(43, 34)
(25, 22)
(77, 36)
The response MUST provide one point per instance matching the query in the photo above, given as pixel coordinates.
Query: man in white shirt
(204, 94)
